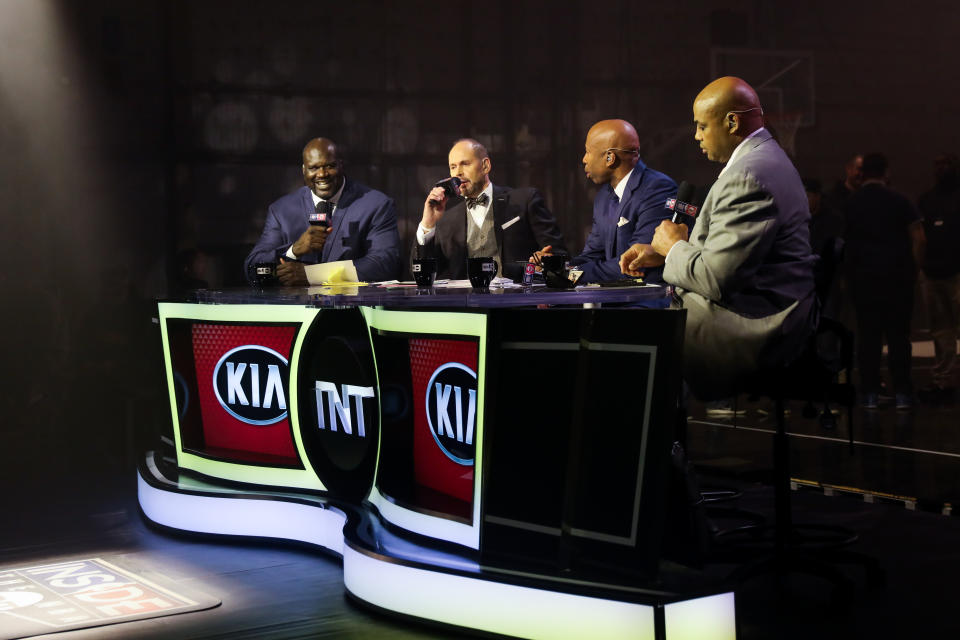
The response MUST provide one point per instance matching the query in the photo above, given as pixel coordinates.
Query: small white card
(331, 272)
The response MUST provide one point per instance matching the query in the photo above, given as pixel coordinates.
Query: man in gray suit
(745, 275)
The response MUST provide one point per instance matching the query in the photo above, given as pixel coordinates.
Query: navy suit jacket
(364, 229)
(643, 206)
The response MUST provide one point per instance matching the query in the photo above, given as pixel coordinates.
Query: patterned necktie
(480, 200)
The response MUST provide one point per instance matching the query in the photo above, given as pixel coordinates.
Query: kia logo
(452, 410)
(250, 383)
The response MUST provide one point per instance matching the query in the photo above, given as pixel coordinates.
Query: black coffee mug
(424, 271)
(555, 271)
(265, 274)
(481, 271)
(556, 262)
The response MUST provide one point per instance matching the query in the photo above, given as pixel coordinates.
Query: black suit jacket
(529, 226)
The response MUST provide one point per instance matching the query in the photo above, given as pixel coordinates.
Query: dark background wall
(132, 131)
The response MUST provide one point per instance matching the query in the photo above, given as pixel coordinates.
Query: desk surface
(349, 296)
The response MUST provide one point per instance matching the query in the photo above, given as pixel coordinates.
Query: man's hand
(433, 208)
(292, 274)
(639, 257)
(666, 235)
(537, 255)
(311, 240)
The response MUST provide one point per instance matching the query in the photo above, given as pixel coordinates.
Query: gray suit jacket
(746, 274)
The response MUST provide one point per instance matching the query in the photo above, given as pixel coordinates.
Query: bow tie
(325, 206)
(480, 200)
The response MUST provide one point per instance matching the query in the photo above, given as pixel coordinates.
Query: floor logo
(249, 382)
(84, 593)
(452, 410)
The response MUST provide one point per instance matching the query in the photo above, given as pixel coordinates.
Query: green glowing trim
(433, 323)
(305, 478)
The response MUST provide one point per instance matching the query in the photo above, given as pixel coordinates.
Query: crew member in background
(745, 275)
(362, 227)
(884, 248)
(628, 206)
(940, 210)
(490, 220)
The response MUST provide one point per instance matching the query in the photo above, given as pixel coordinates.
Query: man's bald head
(725, 112)
(611, 150)
(322, 167)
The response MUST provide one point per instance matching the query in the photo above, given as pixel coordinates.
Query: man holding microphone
(745, 275)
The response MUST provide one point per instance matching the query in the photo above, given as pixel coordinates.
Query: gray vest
(482, 241)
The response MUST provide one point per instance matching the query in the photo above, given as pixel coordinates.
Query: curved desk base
(397, 575)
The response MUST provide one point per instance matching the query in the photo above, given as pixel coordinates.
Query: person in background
(884, 247)
(940, 212)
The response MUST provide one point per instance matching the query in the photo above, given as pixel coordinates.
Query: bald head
(322, 168)
(611, 151)
(724, 113)
(469, 161)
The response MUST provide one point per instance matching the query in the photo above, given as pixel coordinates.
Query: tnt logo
(249, 382)
(338, 407)
(452, 410)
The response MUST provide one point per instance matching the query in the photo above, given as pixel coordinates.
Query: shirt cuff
(424, 236)
(290, 253)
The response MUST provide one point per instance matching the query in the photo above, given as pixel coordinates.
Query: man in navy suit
(629, 205)
(363, 224)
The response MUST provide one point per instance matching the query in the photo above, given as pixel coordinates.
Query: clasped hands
(639, 257)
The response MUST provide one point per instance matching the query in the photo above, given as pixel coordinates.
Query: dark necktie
(480, 200)
(325, 206)
(614, 204)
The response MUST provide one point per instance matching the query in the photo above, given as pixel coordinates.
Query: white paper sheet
(331, 272)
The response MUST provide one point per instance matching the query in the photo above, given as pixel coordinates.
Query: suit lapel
(499, 214)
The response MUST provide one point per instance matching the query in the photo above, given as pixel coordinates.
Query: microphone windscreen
(450, 186)
(685, 192)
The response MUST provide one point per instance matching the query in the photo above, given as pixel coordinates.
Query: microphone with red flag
(686, 205)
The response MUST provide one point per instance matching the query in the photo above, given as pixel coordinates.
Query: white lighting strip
(491, 606)
(458, 600)
(236, 516)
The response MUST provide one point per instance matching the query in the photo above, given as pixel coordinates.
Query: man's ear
(486, 165)
(610, 158)
(733, 122)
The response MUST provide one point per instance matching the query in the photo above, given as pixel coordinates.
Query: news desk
(497, 461)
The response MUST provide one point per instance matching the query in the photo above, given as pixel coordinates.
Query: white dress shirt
(622, 185)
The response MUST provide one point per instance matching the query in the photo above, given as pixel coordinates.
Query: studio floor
(896, 488)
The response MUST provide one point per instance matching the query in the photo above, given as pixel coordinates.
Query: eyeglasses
(633, 152)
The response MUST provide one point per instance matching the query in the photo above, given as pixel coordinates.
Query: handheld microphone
(321, 217)
(683, 207)
(451, 186)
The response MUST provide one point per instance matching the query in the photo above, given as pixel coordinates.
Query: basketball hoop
(784, 127)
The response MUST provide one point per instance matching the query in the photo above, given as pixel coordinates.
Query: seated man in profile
(507, 224)
(628, 206)
(362, 227)
(745, 274)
